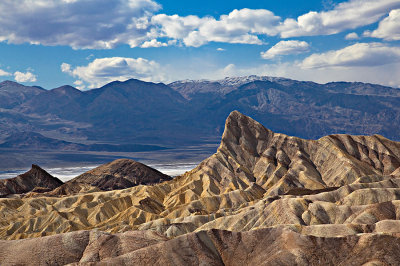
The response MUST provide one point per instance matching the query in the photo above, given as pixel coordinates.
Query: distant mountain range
(190, 112)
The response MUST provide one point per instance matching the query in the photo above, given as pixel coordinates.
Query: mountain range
(188, 112)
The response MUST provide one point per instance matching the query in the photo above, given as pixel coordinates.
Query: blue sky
(88, 43)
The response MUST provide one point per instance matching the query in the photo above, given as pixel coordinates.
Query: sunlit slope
(270, 246)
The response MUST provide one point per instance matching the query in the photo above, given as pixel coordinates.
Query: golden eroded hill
(258, 182)
(268, 246)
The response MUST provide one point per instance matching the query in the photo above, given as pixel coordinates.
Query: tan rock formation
(266, 185)
(270, 246)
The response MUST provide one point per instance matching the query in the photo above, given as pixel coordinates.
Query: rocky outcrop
(271, 246)
(67, 189)
(120, 174)
(35, 179)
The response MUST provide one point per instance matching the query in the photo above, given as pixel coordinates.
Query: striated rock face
(35, 179)
(271, 246)
(67, 189)
(262, 198)
(119, 174)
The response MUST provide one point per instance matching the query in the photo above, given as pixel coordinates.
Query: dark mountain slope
(193, 112)
(118, 111)
(13, 94)
(34, 178)
(305, 109)
(37, 142)
(65, 102)
(134, 106)
(121, 173)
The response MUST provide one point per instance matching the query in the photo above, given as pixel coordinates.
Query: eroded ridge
(337, 186)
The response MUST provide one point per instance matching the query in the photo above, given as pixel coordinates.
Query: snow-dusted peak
(238, 81)
(232, 81)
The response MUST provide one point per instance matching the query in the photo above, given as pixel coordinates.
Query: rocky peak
(238, 81)
(244, 135)
(35, 177)
(121, 173)
(40, 178)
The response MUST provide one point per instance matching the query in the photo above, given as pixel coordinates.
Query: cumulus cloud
(4, 73)
(239, 26)
(352, 36)
(220, 49)
(103, 24)
(77, 23)
(357, 55)
(389, 28)
(24, 77)
(346, 15)
(175, 26)
(79, 84)
(286, 48)
(153, 43)
(104, 70)
(246, 25)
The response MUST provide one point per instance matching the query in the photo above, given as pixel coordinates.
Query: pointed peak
(235, 115)
(36, 170)
(35, 166)
(243, 132)
(236, 118)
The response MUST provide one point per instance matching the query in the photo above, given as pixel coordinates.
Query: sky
(88, 43)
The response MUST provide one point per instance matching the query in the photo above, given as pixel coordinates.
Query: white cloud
(352, 36)
(359, 55)
(175, 26)
(153, 43)
(346, 15)
(104, 70)
(103, 24)
(77, 23)
(24, 77)
(245, 25)
(65, 67)
(220, 49)
(239, 26)
(4, 73)
(389, 28)
(286, 48)
(79, 84)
